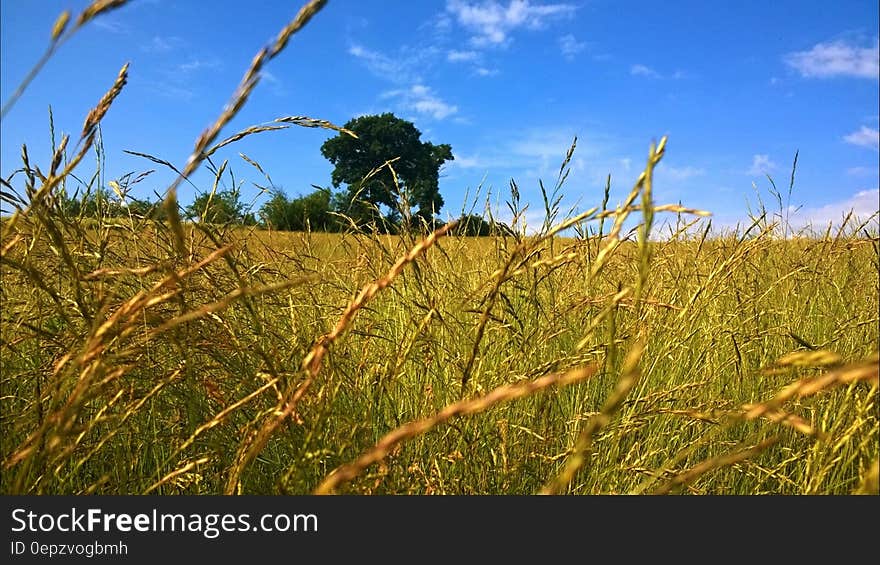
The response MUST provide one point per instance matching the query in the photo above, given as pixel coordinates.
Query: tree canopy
(359, 164)
(222, 207)
(310, 212)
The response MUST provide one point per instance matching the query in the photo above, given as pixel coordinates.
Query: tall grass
(166, 357)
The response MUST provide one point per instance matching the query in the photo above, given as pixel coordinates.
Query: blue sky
(738, 87)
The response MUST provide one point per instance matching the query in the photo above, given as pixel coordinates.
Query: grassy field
(597, 355)
(722, 365)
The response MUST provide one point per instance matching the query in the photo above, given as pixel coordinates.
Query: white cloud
(642, 70)
(412, 94)
(484, 72)
(837, 58)
(435, 107)
(421, 99)
(403, 69)
(862, 171)
(543, 144)
(678, 174)
(535, 151)
(171, 90)
(646, 71)
(160, 44)
(492, 23)
(179, 80)
(197, 64)
(111, 24)
(538, 152)
(443, 22)
(570, 46)
(465, 162)
(456, 56)
(379, 64)
(274, 83)
(862, 204)
(865, 137)
(761, 165)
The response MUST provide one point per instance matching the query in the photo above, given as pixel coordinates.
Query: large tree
(380, 139)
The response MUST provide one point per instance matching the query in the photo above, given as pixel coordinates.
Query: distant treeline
(319, 211)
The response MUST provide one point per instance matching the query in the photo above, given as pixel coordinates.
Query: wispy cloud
(457, 56)
(468, 162)
(473, 57)
(171, 90)
(274, 83)
(533, 150)
(422, 100)
(179, 81)
(761, 165)
(194, 65)
(376, 62)
(864, 137)
(646, 71)
(405, 72)
(643, 71)
(570, 46)
(482, 161)
(158, 44)
(679, 174)
(542, 149)
(538, 152)
(492, 23)
(112, 25)
(837, 58)
(862, 171)
(862, 204)
(442, 22)
(402, 69)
